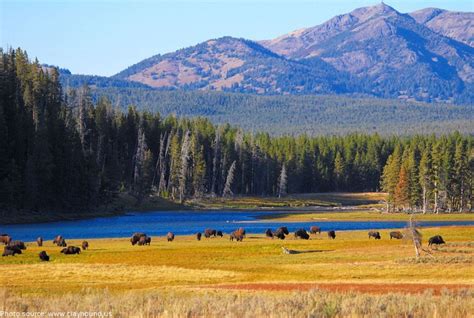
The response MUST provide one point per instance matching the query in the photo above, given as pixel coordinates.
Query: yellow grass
(187, 263)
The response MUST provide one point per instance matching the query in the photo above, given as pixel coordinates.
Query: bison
(198, 236)
(269, 233)
(241, 231)
(11, 250)
(5, 239)
(210, 232)
(43, 256)
(170, 237)
(237, 235)
(85, 245)
(375, 235)
(284, 230)
(396, 234)
(136, 237)
(219, 233)
(59, 241)
(144, 240)
(332, 234)
(436, 240)
(280, 234)
(301, 233)
(315, 229)
(18, 244)
(39, 241)
(71, 250)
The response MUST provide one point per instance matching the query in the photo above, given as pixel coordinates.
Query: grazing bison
(198, 236)
(332, 234)
(374, 234)
(301, 233)
(85, 245)
(170, 237)
(136, 237)
(219, 233)
(144, 240)
(39, 240)
(279, 234)
(71, 250)
(5, 239)
(59, 241)
(315, 229)
(210, 232)
(284, 230)
(237, 235)
(11, 250)
(396, 234)
(18, 244)
(436, 240)
(269, 233)
(241, 231)
(43, 256)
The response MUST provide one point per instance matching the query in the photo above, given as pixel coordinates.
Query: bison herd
(13, 247)
(16, 247)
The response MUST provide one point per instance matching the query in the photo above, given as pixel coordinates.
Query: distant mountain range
(427, 55)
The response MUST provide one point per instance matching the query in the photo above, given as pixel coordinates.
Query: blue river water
(185, 223)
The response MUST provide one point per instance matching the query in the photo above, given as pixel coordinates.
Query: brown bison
(5, 239)
(241, 231)
(375, 235)
(280, 234)
(85, 245)
(269, 233)
(315, 229)
(11, 250)
(71, 250)
(436, 240)
(144, 240)
(39, 241)
(396, 234)
(198, 236)
(301, 233)
(219, 233)
(210, 232)
(136, 237)
(170, 237)
(43, 256)
(21, 245)
(59, 241)
(236, 235)
(332, 234)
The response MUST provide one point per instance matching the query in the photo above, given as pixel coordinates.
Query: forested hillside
(313, 115)
(58, 153)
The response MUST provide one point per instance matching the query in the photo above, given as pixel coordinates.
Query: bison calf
(198, 236)
(170, 237)
(43, 256)
(39, 241)
(85, 245)
(269, 233)
(219, 233)
(332, 234)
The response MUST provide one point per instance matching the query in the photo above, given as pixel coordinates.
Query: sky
(104, 37)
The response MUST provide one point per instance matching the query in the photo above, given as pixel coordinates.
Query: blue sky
(104, 37)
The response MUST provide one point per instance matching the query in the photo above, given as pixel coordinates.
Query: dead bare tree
(414, 235)
(228, 183)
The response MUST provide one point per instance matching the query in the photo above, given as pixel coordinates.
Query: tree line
(63, 150)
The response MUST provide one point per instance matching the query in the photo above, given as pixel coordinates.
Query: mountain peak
(366, 13)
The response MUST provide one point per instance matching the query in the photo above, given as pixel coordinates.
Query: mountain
(399, 56)
(456, 25)
(371, 51)
(239, 65)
